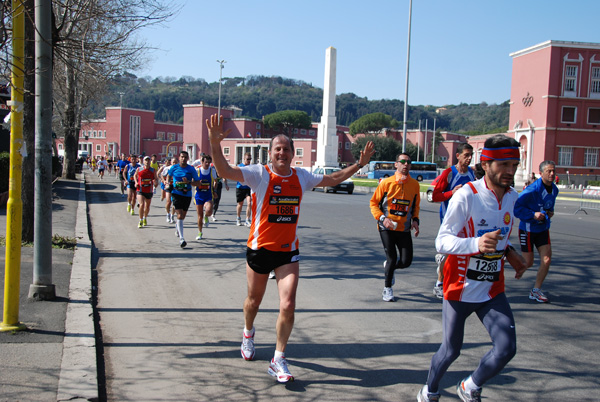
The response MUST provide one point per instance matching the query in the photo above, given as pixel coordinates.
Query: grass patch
(62, 242)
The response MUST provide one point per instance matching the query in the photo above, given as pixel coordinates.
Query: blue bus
(418, 170)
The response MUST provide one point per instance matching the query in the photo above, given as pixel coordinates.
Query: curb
(78, 372)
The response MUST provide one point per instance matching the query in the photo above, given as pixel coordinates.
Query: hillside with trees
(259, 96)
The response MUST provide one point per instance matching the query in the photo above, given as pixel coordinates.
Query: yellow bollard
(14, 207)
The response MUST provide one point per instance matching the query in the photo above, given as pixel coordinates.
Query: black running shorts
(263, 261)
(181, 201)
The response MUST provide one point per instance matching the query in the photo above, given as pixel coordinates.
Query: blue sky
(459, 48)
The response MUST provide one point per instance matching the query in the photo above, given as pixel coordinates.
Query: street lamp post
(221, 62)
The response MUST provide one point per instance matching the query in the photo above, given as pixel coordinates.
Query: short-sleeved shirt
(177, 172)
(276, 206)
(242, 185)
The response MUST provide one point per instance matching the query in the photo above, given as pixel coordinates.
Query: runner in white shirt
(474, 234)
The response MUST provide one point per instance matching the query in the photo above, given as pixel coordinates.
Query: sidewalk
(55, 358)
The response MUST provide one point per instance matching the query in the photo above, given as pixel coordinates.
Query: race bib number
(399, 207)
(283, 209)
(204, 185)
(485, 268)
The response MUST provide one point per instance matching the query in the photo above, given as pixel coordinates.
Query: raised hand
(215, 129)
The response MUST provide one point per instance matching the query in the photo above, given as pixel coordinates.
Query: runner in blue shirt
(242, 192)
(534, 208)
(183, 176)
(121, 165)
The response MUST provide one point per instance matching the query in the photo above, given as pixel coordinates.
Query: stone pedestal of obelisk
(327, 140)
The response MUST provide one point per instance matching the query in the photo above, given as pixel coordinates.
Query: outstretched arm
(215, 136)
(341, 175)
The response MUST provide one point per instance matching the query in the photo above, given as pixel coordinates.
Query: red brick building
(555, 107)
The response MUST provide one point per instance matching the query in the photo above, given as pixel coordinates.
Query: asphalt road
(171, 319)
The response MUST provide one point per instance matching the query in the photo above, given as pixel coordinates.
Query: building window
(171, 136)
(300, 152)
(339, 145)
(569, 114)
(570, 80)
(98, 149)
(565, 156)
(60, 147)
(311, 132)
(593, 116)
(595, 84)
(303, 131)
(226, 151)
(180, 137)
(135, 123)
(347, 144)
(258, 126)
(160, 135)
(295, 131)
(591, 157)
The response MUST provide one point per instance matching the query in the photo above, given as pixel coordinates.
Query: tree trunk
(28, 170)
(70, 125)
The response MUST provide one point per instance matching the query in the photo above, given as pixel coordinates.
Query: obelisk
(327, 140)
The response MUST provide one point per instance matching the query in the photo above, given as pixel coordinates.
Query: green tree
(373, 122)
(288, 119)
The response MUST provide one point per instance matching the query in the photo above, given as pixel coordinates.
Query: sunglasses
(404, 161)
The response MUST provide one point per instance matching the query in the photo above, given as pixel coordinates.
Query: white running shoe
(465, 396)
(272, 275)
(212, 218)
(168, 218)
(438, 291)
(199, 237)
(388, 294)
(247, 348)
(238, 221)
(279, 370)
(423, 396)
(537, 295)
(247, 223)
(182, 243)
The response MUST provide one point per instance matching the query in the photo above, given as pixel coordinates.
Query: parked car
(430, 189)
(345, 186)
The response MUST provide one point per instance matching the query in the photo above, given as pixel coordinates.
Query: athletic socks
(180, 228)
(278, 355)
(470, 385)
(248, 333)
(438, 283)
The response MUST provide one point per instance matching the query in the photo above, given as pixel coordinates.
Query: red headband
(501, 154)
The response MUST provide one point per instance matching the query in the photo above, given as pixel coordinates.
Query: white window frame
(565, 156)
(348, 145)
(570, 88)
(180, 137)
(311, 133)
(595, 82)
(562, 112)
(591, 157)
(300, 152)
(98, 148)
(588, 117)
(160, 135)
(226, 151)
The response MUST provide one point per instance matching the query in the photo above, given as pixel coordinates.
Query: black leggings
(391, 240)
(216, 201)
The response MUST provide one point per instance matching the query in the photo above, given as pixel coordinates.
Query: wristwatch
(359, 165)
(381, 218)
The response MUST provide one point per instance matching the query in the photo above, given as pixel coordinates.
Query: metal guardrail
(590, 199)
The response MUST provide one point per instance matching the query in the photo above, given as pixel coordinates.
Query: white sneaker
(388, 294)
(238, 221)
(272, 275)
(279, 370)
(423, 396)
(182, 243)
(247, 348)
(199, 237)
(212, 218)
(168, 219)
(438, 291)
(247, 223)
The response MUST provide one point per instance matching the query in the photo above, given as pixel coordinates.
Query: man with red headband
(474, 234)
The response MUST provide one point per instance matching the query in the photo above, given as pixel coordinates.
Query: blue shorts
(202, 198)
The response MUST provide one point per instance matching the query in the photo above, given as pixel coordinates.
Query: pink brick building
(555, 107)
